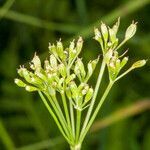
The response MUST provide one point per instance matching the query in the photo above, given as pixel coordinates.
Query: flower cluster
(64, 75)
(60, 74)
(107, 37)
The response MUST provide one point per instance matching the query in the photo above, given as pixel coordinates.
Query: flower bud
(72, 51)
(30, 88)
(41, 76)
(90, 69)
(124, 61)
(47, 66)
(19, 83)
(65, 54)
(138, 64)
(116, 26)
(117, 65)
(98, 37)
(81, 86)
(70, 78)
(68, 93)
(79, 45)
(37, 62)
(79, 67)
(20, 71)
(53, 61)
(130, 31)
(35, 80)
(62, 70)
(97, 34)
(74, 89)
(112, 65)
(109, 44)
(89, 94)
(108, 55)
(52, 49)
(71, 46)
(60, 50)
(85, 89)
(91, 66)
(26, 74)
(112, 36)
(104, 32)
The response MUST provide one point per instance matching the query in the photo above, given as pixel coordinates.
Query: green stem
(67, 113)
(96, 111)
(119, 77)
(75, 147)
(60, 115)
(78, 123)
(54, 116)
(94, 96)
(121, 44)
(60, 111)
(66, 108)
(72, 118)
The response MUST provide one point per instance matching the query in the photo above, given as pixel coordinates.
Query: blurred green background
(27, 26)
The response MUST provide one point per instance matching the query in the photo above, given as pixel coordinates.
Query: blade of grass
(50, 143)
(81, 9)
(30, 20)
(6, 7)
(121, 114)
(6, 139)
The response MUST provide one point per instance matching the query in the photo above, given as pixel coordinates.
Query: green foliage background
(27, 26)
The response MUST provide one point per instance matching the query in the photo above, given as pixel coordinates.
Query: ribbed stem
(54, 116)
(76, 147)
(78, 124)
(96, 111)
(94, 96)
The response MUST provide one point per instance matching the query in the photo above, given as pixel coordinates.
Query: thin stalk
(60, 116)
(78, 124)
(94, 96)
(69, 126)
(75, 147)
(72, 118)
(66, 110)
(71, 63)
(58, 107)
(67, 115)
(119, 77)
(54, 116)
(96, 111)
(121, 44)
